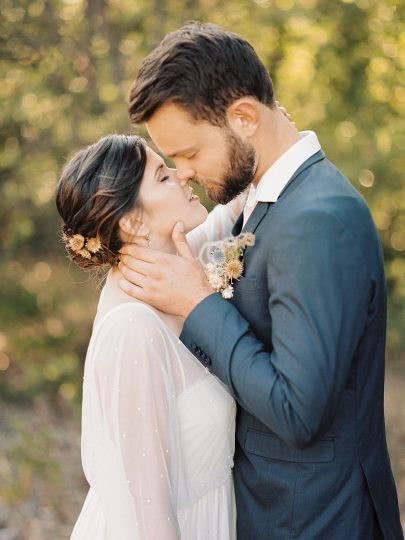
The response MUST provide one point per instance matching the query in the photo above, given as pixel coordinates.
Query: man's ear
(244, 116)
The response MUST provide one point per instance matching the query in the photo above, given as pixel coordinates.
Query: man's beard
(239, 173)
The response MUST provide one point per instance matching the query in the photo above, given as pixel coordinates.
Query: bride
(157, 427)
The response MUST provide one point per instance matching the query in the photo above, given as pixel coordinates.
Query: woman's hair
(203, 68)
(97, 187)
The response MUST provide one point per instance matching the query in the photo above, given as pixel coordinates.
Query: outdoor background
(65, 68)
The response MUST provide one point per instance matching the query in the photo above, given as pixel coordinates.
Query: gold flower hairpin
(226, 262)
(83, 246)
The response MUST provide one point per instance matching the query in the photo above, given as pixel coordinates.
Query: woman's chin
(201, 214)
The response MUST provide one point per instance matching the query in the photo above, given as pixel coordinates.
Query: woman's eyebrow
(158, 169)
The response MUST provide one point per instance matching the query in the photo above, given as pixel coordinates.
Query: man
(301, 343)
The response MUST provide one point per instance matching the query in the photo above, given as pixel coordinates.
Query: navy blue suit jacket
(301, 348)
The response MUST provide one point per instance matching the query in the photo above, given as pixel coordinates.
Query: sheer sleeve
(218, 224)
(136, 395)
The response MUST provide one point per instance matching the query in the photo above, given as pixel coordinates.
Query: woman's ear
(132, 226)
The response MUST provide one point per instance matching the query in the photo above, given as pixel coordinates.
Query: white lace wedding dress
(157, 427)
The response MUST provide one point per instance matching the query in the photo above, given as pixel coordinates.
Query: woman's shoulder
(130, 320)
(127, 334)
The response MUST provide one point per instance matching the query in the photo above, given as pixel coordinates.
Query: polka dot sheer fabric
(157, 427)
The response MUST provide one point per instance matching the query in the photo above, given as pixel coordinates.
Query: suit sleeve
(319, 293)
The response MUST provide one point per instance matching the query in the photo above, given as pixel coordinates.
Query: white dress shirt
(278, 175)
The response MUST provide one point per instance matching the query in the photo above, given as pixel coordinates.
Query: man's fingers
(132, 276)
(143, 253)
(285, 112)
(179, 239)
(132, 290)
(137, 265)
(141, 241)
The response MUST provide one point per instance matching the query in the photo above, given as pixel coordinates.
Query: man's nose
(184, 176)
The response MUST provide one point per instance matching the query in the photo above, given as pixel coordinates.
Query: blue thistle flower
(218, 256)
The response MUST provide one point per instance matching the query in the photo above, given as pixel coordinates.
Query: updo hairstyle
(97, 187)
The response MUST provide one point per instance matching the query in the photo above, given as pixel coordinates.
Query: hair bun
(85, 252)
(97, 187)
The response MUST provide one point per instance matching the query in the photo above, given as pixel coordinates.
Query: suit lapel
(256, 217)
(310, 161)
(238, 225)
(261, 208)
(253, 222)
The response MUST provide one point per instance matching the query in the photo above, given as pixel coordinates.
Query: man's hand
(174, 284)
(285, 112)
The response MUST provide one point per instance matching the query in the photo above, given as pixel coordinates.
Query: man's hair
(203, 68)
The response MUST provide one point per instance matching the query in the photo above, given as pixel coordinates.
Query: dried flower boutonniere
(226, 262)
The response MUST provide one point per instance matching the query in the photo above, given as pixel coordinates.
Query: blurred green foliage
(27, 459)
(66, 68)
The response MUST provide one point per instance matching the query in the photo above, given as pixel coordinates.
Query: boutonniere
(227, 262)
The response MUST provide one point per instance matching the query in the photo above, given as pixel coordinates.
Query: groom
(301, 343)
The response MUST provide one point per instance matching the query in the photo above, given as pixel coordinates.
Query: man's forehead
(172, 134)
(171, 147)
(174, 114)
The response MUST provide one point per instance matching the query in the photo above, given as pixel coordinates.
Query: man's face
(214, 157)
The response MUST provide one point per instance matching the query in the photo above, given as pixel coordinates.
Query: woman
(157, 428)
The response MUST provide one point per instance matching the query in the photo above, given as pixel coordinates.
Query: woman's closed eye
(164, 178)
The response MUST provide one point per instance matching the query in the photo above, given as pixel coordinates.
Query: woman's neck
(113, 295)
(164, 245)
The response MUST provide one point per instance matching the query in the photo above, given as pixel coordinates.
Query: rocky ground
(41, 482)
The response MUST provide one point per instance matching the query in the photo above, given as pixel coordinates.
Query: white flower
(215, 281)
(219, 270)
(228, 292)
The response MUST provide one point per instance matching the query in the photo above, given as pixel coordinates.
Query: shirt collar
(278, 175)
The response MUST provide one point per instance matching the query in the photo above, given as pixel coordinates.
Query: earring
(148, 240)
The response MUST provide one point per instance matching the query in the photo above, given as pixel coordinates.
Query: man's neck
(276, 136)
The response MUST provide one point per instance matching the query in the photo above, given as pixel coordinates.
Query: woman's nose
(184, 176)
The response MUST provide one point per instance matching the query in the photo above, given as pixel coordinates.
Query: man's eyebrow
(180, 152)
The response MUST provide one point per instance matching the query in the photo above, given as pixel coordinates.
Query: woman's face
(165, 200)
